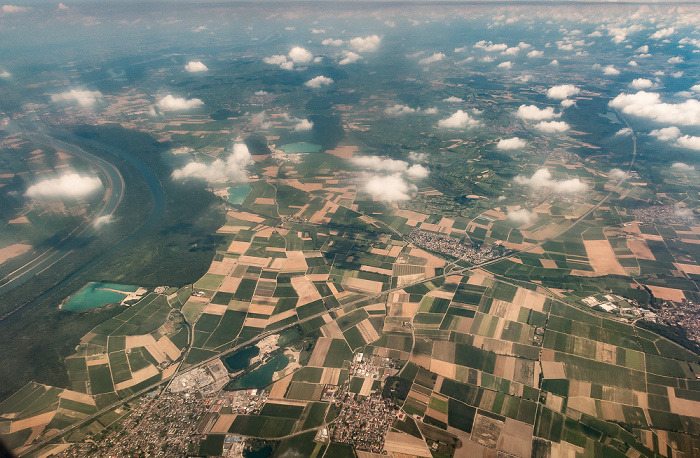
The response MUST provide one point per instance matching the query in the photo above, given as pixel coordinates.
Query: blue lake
(302, 147)
(237, 194)
(262, 376)
(95, 295)
(240, 359)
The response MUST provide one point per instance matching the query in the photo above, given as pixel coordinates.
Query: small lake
(95, 295)
(262, 376)
(302, 147)
(237, 194)
(241, 359)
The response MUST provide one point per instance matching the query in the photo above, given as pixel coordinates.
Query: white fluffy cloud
(398, 110)
(506, 64)
(332, 42)
(196, 66)
(662, 33)
(695, 88)
(648, 105)
(641, 83)
(418, 157)
(350, 58)
(511, 143)
(69, 186)
(552, 126)
(367, 44)
(682, 167)
(522, 216)
(103, 220)
(432, 110)
(417, 171)
(232, 169)
(563, 91)
(300, 55)
(378, 164)
(437, 57)
(675, 60)
(275, 60)
(5, 74)
(611, 70)
(170, 103)
(566, 103)
(534, 53)
(624, 132)
(82, 98)
(453, 99)
(682, 212)
(318, 82)
(688, 141)
(533, 113)
(458, 120)
(490, 46)
(666, 134)
(618, 174)
(10, 9)
(389, 188)
(303, 125)
(542, 178)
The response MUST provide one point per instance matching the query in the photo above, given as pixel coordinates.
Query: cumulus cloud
(332, 42)
(10, 9)
(666, 134)
(688, 141)
(506, 64)
(5, 74)
(458, 120)
(552, 126)
(618, 174)
(534, 53)
(299, 55)
(490, 46)
(196, 66)
(231, 169)
(398, 110)
(682, 167)
(170, 103)
(102, 221)
(511, 143)
(418, 157)
(563, 91)
(533, 113)
(432, 110)
(417, 171)
(367, 44)
(303, 125)
(453, 99)
(611, 70)
(662, 33)
(82, 98)
(632, 63)
(318, 82)
(648, 105)
(69, 186)
(542, 179)
(624, 132)
(378, 164)
(522, 216)
(350, 58)
(641, 83)
(316, 31)
(554, 63)
(275, 60)
(566, 103)
(437, 57)
(388, 188)
(682, 212)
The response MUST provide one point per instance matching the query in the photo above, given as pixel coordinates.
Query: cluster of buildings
(363, 421)
(455, 247)
(159, 425)
(371, 366)
(667, 214)
(239, 402)
(618, 305)
(207, 380)
(686, 315)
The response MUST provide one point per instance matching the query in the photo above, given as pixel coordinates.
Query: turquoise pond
(240, 359)
(302, 147)
(262, 376)
(95, 295)
(237, 194)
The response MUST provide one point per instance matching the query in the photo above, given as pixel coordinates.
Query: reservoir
(237, 194)
(262, 376)
(302, 147)
(241, 359)
(95, 295)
